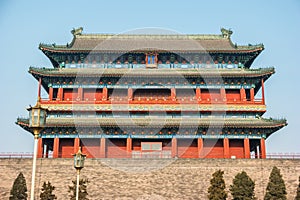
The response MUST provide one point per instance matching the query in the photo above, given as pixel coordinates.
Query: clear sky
(24, 24)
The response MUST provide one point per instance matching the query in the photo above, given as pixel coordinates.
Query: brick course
(146, 178)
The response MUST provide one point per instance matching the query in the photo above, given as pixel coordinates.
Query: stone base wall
(146, 178)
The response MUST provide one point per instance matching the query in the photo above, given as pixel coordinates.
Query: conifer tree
(47, 190)
(298, 191)
(216, 191)
(19, 188)
(242, 187)
(82, 190)
(276, 187)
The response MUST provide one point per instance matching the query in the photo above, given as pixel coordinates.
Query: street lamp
(37, 121)
(78, 165)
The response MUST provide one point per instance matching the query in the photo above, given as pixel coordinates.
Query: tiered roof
(98, 72)
(174, 43)
(257, 123)
(85, 44)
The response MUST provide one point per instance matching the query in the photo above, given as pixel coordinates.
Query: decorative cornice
(154, 107)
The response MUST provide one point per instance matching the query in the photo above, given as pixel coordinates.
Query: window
(151, 146)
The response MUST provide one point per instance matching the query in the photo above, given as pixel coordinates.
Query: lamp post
(78, 165)
(37, 120)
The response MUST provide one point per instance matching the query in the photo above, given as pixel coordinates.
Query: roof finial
(226, 33)
(77, 31)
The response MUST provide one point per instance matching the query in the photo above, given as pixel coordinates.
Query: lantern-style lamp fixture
(79, 159)
(37, 116)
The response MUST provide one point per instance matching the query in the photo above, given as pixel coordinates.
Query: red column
(198, 94)
(200, 147)
(130, 93)
(60, 94)
(146, 58)
(246, 148)
(80, 94)
(39, 89)
(262, 148)
(263, 91)
(40, 148)
(174, 148)
(252, 94)
(102, 147)
(76, 144)
(173, 94)
(56, 147)
(223, 94)
(226, 147)
(243, 94)
(129, 147)
(50, 93)
(104, 96)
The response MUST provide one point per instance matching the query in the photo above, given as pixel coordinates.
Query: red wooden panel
(187, 148)
(91, 147)
(211, 94)
(99, 94)
(213, 148)
(233, 94)
(69, 94)
(116, 148)
(236, 148)
(66, 147)
(89, 94)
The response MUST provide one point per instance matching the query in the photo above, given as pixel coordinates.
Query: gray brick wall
(146, 179)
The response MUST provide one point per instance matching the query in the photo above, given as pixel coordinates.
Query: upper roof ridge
(77, 33)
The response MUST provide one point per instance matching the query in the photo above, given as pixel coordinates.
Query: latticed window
(151, 146)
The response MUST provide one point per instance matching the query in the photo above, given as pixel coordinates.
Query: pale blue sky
(24, 24)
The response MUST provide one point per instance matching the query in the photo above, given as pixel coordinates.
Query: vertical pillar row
(262, 148)
(128, 147)
(76, 145)
(50, 93)
(243, 94)
(200, 147)
(173, 93)
(226, 148)
(174, 152)
(223, 94)
(40, 148)
(252, 94)
(263, 91)
(104, 96)
(198, 94)
(246, 148)
(80, 94)
(56, 147)
(102, 147)
(130, 94)
(60, 94)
